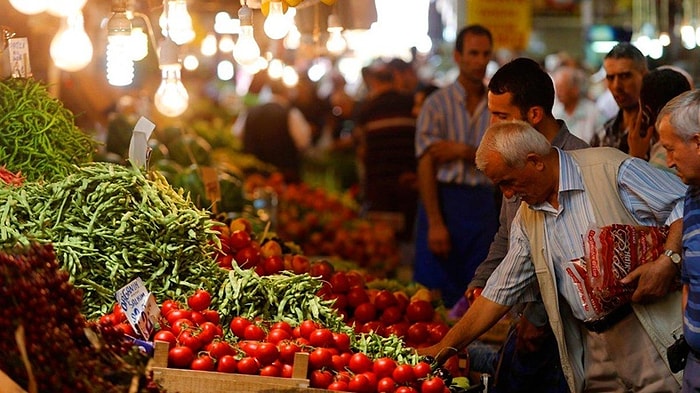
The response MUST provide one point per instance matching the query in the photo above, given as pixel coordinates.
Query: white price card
(18, 49)
(140, 307)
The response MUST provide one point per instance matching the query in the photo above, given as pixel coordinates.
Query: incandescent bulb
(276, 24)
(336, 44)
(246, 51)
(179, 22)
(209, 45)
(293, 39)
(171, 98)
(71, 49)
(120, 67)
(30, 7)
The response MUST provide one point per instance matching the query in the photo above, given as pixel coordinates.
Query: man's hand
(639, 139)
(472, 293)
(437, 352)
(446, 151)
(654, 279)
(439, 240)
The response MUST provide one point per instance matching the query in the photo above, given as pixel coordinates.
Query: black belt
(610, 320)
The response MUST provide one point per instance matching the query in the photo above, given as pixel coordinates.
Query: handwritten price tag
(140, 307)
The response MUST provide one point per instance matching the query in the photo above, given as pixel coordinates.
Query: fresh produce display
(39, 135)
(110, 224)
(43, 337)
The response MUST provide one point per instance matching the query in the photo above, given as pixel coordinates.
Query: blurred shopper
(457, 214)
(572, 104)
(625, 66)
(405, 75)
(659, 86)
(386, 133)
(522, 90)
(276, 132)
(679, 130)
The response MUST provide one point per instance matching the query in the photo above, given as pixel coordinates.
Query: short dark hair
(527, 81)
(625, 50)
(471, 29)
(659, 86)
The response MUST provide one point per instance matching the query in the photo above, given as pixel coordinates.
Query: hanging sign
(510, 21)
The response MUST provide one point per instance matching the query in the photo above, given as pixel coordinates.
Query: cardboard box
(189, 381)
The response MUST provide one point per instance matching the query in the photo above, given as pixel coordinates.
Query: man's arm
(446, 151)
(438, 235)
(480, 317)
(654, 279)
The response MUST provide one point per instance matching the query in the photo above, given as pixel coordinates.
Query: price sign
(18, 49)
(140, 307)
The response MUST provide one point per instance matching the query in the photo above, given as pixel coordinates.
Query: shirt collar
(570, 178)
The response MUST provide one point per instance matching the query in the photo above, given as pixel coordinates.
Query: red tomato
(384, 367)
(287, 370)
(307, 327)
(276, 335)
(239, 239)
(266, 353)
(197, 317)
(341, 342)
(167, 336)
(359, 383)
(397, 329)
(203, 363)
(125, 328)
(254, 332)
(238, 326)
(436, 331)
(227, 364)
(118, 313)
(338, 386)
(420, 310)
(320, 379)
(287, 351)
(391, 315)
(321, 338)
(273, 264)
(421, 369)
(200, 300)
(432, 385)
(180, 357)
(180, 313)
(357, 295)
(403, 373)
(338, 362)
(320, 357)
(321, 268)
(270, 371)
(248, 258)
(207, 332)
(386, 385)
(339, 282)
(167, 306)
(248, 365)
(282, 325)
(355, 278)
(360, 363)
(248, 347)
(340, 300)
(405, 389)
(218, 349)
(384, 299)
(190, 338)
(212, 316)
(417, 333)
(365, 312)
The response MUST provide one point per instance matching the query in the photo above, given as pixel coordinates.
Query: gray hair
(683, 113)
(513, 140)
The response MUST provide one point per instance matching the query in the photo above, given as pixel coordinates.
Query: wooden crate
(189, 381)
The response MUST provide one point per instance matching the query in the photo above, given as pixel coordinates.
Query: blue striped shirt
(444, 117)
(690, 273)
(652, 196)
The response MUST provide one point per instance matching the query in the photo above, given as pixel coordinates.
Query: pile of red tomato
(197, 341)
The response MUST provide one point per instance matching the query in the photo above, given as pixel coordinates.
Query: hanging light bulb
(62, 8)
(171, 98)
(179, 22)
(30, 7)
(209, 45)
(71, 49)
(246, 51)
(336, 44)
(120, 67)
(293, 39)
(276, 24)
(163, 22)
(139, 44)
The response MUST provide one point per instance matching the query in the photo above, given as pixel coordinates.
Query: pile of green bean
(110, 224)
(39, 135)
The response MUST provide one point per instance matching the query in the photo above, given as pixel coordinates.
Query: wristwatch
(675, 257)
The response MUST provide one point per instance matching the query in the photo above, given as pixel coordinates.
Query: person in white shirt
(571, 105)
